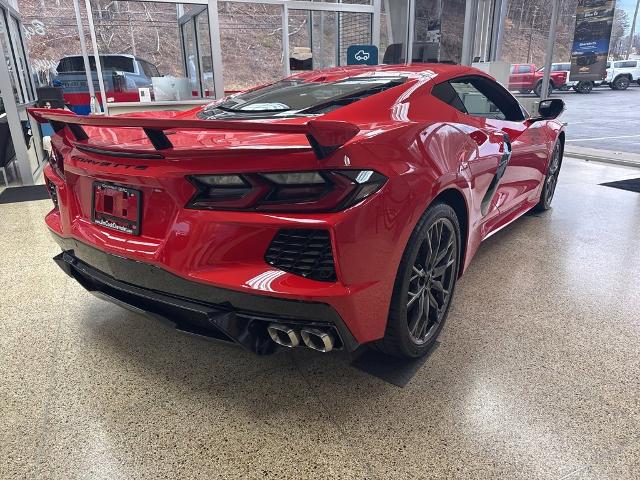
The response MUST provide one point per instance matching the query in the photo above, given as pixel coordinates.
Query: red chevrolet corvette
(329, 210)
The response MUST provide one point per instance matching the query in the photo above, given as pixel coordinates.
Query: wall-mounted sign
(362, 55)
(594, 20)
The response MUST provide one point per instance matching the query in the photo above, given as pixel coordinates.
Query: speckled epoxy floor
(537, 375)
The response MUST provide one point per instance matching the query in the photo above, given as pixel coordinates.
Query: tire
(584, 87)
(538, 89)
(550, 179)
(621, 83)
(423, 276)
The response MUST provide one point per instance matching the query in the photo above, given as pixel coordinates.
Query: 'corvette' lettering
(111, 164)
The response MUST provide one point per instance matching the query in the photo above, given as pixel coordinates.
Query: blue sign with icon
(362, 55)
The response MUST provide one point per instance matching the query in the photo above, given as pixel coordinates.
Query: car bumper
(193, 307)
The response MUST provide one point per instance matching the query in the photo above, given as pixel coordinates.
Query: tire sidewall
(398, 310)
(546, 202)
(621, 83)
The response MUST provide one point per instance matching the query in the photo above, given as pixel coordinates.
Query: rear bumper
(193, 307)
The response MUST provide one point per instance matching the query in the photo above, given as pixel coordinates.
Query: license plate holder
(116, 207)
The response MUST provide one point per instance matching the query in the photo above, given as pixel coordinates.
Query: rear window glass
(149, 69)
(109, 62)
(297, 96)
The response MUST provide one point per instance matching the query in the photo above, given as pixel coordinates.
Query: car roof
(415, 70)
(127, 55)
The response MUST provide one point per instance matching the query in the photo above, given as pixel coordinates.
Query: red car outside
(526, 79)
(332, 209)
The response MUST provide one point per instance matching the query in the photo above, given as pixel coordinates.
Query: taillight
(312, 191)
(56, 161)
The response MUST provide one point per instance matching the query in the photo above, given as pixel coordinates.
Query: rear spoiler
(325, 136)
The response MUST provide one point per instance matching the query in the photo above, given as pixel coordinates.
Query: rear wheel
(538, 89)
(620, 83)
(424, 284)
(584, 87)
(550, 180)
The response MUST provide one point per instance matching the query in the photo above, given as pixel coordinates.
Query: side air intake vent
(303, 252)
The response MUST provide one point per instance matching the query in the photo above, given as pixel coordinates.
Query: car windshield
(298, 96)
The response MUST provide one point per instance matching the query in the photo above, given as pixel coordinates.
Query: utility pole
(533, 20)
(633, 30)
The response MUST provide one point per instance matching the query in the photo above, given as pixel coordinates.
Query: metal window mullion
(285, 40)
(83, 49)
(411, 21)
(375, 24)
(28, 60)
(216, 52)
(96, 56)
(15, 126)
(548, 58)
(27, 95)
(196, 39)
(12, 57)
(468, 37)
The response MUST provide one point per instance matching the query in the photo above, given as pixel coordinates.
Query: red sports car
(329, 210)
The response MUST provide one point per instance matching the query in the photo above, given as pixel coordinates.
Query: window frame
(499, 90)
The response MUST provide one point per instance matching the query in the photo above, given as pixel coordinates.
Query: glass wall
(20, 159)
(196, 46)
(251, 44)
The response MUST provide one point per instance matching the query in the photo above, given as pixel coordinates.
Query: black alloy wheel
(424, 284)
(432, 276)
(538, 89)
(584, 87)
(551, 179)
(621, 83)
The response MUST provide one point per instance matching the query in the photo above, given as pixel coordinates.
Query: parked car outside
(579, 86)
(122, 75)
(620, 74)
(526, 79)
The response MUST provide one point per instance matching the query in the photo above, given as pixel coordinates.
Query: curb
(605, 156)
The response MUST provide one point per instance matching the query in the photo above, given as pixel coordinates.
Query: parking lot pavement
(604, 119)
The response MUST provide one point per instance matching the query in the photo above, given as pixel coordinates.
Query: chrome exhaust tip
(283, 335)
(318, 340)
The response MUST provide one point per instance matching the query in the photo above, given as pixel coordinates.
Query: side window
(149, 69)
(524, 69)
(475, 102)
(446, 93)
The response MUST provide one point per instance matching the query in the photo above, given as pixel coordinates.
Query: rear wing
(324, 136)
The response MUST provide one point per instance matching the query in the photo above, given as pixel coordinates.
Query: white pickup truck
(620, 74)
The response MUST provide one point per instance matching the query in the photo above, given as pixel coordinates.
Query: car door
(488, 105)
(519, 77)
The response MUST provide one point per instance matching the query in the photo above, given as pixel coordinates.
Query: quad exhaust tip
(283, 335)
(318, 340)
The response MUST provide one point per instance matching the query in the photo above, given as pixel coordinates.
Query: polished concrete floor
(537, 375)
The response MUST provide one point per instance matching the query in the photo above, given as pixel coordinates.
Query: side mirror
(550, 108)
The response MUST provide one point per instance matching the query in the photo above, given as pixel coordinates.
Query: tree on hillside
(620, 25)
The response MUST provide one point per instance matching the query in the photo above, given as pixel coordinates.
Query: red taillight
(56, 161)
(312, 191)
